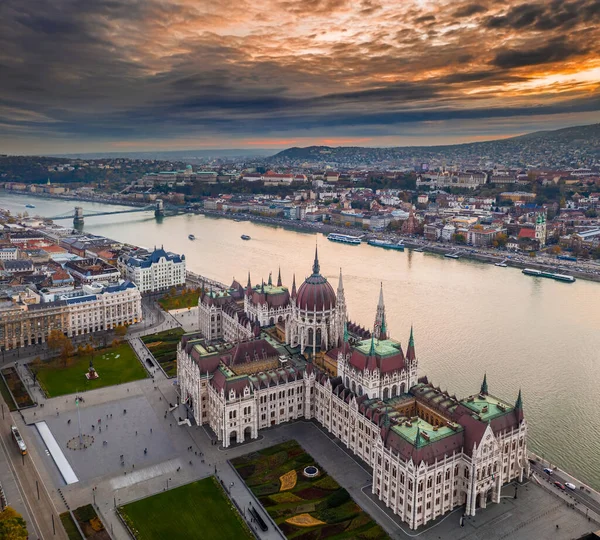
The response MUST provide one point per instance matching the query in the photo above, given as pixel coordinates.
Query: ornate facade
(430, 452)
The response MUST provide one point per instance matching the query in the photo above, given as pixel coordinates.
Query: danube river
(469, 318)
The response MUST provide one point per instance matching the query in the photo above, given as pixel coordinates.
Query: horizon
(113, 76)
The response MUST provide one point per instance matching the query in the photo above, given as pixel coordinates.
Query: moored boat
(191, 237)
(388, 245)
(245, 237)
(344, 238)
(30, 206)
(558, 277)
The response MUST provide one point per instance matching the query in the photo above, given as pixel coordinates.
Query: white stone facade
(158, 271)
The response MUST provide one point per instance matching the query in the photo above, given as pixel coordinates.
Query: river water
(469, 318)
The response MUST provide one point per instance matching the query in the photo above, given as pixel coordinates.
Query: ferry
(388, 245)
(245, 237)
(191, 237)
(344, 239)
(551, 275)
(30, 206)
(18, 439)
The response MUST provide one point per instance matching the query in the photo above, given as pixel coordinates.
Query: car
(570, 486)
(548, 471)
(559, 485)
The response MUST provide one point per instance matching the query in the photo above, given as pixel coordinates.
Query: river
(469, 318)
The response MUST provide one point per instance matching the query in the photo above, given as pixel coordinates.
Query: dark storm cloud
(555, 50)
(138, 69)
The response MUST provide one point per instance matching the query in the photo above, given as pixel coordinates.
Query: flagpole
(78, 420)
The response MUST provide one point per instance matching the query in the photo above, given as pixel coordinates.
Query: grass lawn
(304, 507)
(115, 365)
(163, 347)
(69, 526)
(199, 510)
(185, 300)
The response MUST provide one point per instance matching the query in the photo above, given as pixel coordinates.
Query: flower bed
(17, 388)
(314, 508)
(90, 523)
(163, 347)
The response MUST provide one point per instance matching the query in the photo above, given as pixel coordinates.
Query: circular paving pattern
(75, 444)
(311, 471)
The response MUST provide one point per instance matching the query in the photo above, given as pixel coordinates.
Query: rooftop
(383, 348)
(426, 432)
(486, 406)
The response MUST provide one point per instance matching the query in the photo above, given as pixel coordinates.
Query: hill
(577, 146)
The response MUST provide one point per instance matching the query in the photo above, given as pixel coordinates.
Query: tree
(459, 238)
(12, 525)
(500, 240)
(121, 331)
(57, 341)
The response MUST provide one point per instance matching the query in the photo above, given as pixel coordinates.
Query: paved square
(125, 433)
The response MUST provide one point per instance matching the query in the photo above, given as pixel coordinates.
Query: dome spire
(380, 314)
(316, 267)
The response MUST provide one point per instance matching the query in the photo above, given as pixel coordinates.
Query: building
(9, 253)
(95, 308)
(157, 271)
(318, 315)
(430, 452)
(91, 270)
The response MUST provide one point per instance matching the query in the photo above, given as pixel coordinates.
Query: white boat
(452, 255)
(191, 237)
(344, 238)
(501, 264)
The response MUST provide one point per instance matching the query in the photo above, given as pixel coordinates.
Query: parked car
(548, 471)
(570, 486)
(559, 485)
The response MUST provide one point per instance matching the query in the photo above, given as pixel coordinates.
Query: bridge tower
(160, 209)
(78, 217)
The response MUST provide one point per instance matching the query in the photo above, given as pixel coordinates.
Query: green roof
(426, 432)
(383, 348)
(487, 407)
(270, 289)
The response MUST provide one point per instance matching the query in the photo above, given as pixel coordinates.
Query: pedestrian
(69, 421)
(100, 429)
(150, 430)
(145, 451)
(136, 432)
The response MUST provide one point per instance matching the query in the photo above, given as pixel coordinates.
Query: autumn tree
(121, 331)
(12, 525)
(57, 341)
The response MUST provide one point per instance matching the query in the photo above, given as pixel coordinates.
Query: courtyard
(114, 365)
(194, 511)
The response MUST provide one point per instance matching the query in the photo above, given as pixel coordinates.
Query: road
(41, 516)
(579, 494)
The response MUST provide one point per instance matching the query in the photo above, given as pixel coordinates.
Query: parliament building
(265, 355)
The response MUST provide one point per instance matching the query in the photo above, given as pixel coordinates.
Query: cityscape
(300, 270)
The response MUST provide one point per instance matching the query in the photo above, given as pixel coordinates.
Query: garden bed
(17, 388)
(90, 523)
(10, 402)
(314, 508)
(163, 347)
(186, 299)
(70, 527)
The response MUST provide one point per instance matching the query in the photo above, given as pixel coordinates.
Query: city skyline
(122, 76)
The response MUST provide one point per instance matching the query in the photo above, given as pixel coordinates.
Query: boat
(419, 250)
(30, 206)
(344, 238)
(558, 277)
(388, 245)
(452, 255)
(191, 237)
(501, 264)
(245, 237)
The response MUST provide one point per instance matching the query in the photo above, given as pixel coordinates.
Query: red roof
(526, 232)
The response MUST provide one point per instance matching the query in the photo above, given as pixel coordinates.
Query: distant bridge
(77, 214)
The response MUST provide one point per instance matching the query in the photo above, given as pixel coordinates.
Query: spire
(383, 330)
(410, 352)
(262, 288)
(279, 277)
(249, 282)
(270, 279)
(346, 334)
(316, 267)
(417, 436)
(372, 349)
(519, 407)
(380, 314)
(340, 282)
(484, 386)
(294, 287)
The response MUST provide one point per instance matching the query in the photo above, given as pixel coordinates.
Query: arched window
(318, 337)
(360, 390)
(311, 335)
(354, 387)
(394, 391)
(386, 393)
(403, 388)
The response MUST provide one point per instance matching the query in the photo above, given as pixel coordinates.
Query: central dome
(316, 294)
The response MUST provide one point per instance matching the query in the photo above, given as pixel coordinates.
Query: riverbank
(79, 198)
(511, 259)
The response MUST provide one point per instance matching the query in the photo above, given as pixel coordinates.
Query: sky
(134, 75)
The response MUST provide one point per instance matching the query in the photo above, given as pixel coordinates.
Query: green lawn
(163, 347)
(69, 526)
(199, 510)
(186, 300)
(320, 497)
(115, 365)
